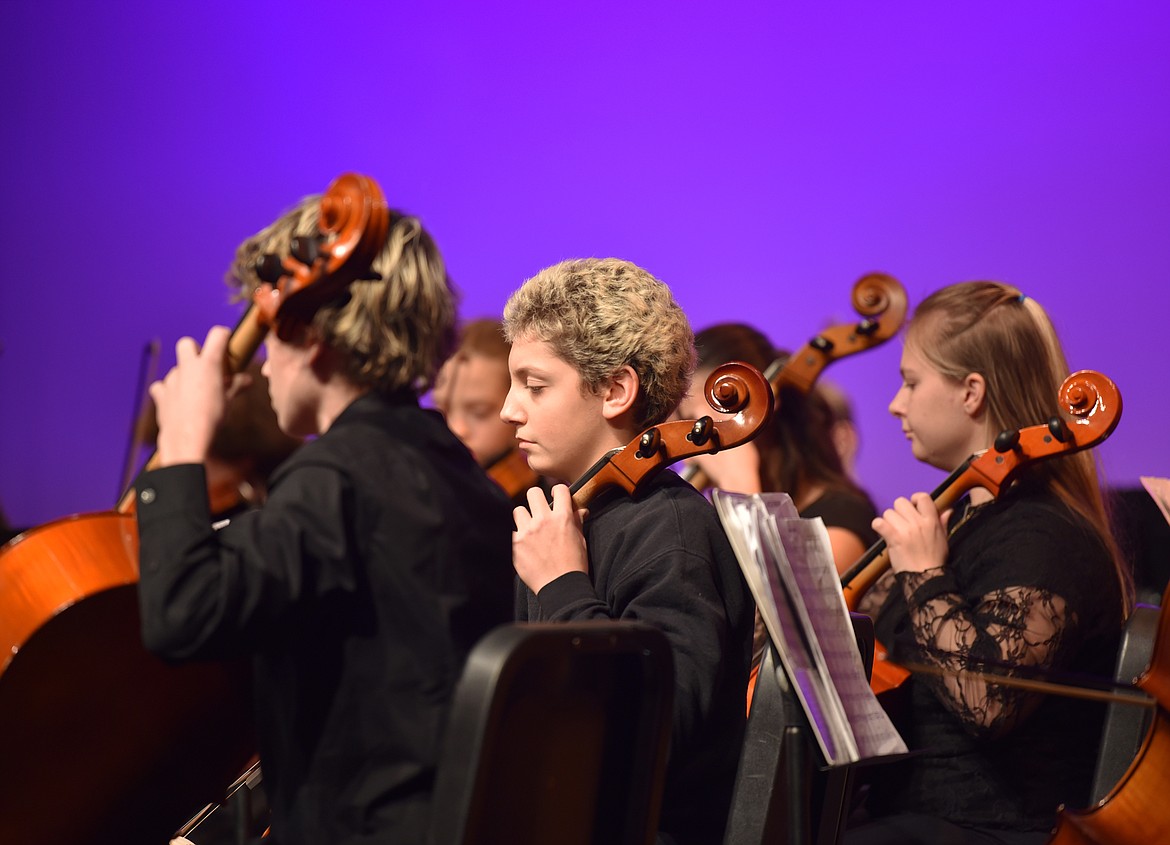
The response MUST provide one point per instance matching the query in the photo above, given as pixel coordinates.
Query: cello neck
(244, 343)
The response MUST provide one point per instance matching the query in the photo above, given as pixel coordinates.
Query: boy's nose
(508, 409)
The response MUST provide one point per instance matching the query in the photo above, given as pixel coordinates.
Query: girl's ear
(620, 393)
(974, 394)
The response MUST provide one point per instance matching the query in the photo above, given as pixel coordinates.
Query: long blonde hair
(993, 329)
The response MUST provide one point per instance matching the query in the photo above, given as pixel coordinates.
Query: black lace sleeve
(1013, 626)
(875, 597)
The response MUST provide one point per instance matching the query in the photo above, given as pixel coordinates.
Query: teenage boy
(379, 558)
(601, 351)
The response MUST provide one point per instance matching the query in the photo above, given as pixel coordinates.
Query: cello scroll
(735, 388)
(881, 300)
(354, 222)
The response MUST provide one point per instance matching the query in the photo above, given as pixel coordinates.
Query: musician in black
(1030, 581)
(601, 351)
(380, 556)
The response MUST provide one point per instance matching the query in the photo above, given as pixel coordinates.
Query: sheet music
(787, 562)
(1159, 488)
(810, 557)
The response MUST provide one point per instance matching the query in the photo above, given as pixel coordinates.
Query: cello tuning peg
(269, 268)
(306, 248)
(649, 443)
(1058, 429)
(867, 327)
(701, 431)
(1007, 440)
(821, 344)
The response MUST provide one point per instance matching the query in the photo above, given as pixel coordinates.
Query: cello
(735, 388)
(511, 471)
(1134, 812)
(1090, 408)
(105, 742)
(881, 301)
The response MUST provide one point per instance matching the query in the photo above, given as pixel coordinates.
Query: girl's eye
(535, 389)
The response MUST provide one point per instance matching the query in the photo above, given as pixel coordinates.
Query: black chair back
(1126, 725)
(780, 796)
(557, 733)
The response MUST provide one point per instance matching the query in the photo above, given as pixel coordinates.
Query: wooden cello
(880, 300)
(1090, 408)
(1135, 810)
(511, 471)
(734, 388)
(105, 743)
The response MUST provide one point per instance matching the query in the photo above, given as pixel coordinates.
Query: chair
(1126, 725)
(779, 796)
(557, 733)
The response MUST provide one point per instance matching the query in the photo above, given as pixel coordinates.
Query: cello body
(1135, 812)
(103, 742)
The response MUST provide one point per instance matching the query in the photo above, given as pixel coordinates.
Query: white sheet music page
(1159, 488)
(810, 558)
(764, 573)
(788, 564)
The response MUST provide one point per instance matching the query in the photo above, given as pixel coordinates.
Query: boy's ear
(322, 358)
(974, 393)
(620, 393)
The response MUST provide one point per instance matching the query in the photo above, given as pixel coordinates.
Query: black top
(1028, 583)
(382, 554)
(842, 509)
(662, 558)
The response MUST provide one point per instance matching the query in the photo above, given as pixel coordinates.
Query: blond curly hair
(602, 314)
(395, 331)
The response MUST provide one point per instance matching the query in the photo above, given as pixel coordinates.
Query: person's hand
(915, 533)
(548, 541)
(192, 397)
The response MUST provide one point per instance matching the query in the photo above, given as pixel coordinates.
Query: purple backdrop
(758, 157)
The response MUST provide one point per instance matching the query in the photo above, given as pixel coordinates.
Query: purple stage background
(758, 157)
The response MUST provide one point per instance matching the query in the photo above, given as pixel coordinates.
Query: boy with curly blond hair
(601, 351)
